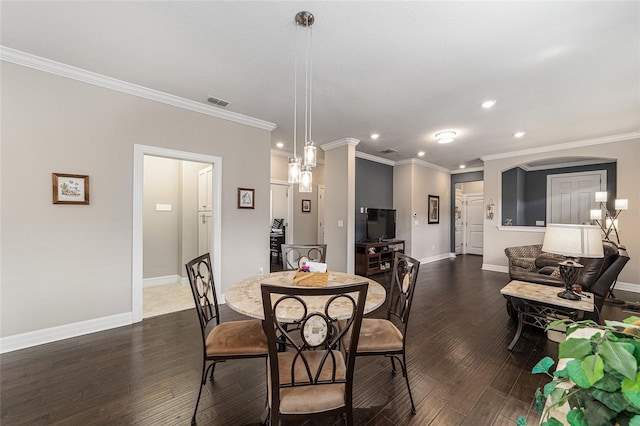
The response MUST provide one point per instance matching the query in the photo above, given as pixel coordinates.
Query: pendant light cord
(295, 88)
(310, 77)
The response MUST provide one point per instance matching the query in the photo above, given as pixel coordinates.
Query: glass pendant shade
(310, 154)
(294, 170)
(306, 179)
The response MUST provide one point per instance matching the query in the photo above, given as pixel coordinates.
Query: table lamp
(572, 241)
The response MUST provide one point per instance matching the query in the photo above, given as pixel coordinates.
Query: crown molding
(28, 60)
(423, 163)
(340, 142)
(375, 158)
(588, 162)
(467, 170)
(559, 147)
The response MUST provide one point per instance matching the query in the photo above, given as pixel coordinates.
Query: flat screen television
(381, 224)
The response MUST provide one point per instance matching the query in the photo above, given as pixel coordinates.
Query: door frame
(465, 220)
(289, 231)
(139, 151)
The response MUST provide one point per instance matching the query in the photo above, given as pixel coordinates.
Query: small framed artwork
(306, 206)
(433, 209)
(245, 198)
(70, 189)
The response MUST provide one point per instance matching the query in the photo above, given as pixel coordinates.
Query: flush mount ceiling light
(280, 145)
(445, 137)
(375, 136)
(519, 134)
(299, 170)
(421, 154)
(488, 103)
(462, 166)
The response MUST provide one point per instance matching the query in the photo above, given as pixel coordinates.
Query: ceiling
(559, 71)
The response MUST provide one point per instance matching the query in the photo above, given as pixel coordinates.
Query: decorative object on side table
(246, 198)
(70, 189)
(572, 241)
(433, 209)
(597, 380)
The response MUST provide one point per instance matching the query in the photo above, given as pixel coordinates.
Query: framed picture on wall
(245, 198)
(70, 189)
(306, 206)
(433, 209)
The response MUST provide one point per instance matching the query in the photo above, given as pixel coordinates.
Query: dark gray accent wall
(459, 178)
(530, 191)
(374, 188)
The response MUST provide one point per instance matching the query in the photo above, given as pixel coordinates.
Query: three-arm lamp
(572, 241)
(606, 219)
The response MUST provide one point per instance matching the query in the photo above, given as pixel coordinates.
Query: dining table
(245, 297)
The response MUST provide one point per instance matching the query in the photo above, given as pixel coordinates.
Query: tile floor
(166, 298)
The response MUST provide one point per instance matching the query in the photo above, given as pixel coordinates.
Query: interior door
(570, 196)
(205, 204)
(474, 233)
(320, 214)
(458, 222)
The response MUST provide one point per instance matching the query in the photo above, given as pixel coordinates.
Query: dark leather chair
(388, 336)
(220, 341)
(313, 377)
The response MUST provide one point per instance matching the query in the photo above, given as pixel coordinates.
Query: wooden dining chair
(313, 377)
(388, 336)
(220, 341)
(291, 254)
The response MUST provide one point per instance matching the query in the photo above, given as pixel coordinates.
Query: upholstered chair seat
(377, 335)
(236, 338)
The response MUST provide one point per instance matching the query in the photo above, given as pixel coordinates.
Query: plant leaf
(521, 421)
(575, 348)
(593, 368)
(575, 417)
(543, 365)
(554, 422)
(631, 319)
(608, 383)
(540, 401)
(613, 400)
(596, 413)
(574, 369)
(631, 390)
(550, 387)
(634, 421)
(619, 356)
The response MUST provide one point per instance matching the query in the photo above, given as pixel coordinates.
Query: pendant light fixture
(300, 171)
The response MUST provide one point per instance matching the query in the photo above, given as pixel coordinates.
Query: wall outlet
(539, 222)
(261, 271)
(341, 224)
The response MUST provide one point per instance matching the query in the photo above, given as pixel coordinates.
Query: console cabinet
(375, 258)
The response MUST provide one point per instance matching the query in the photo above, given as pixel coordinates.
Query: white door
(205, 205)
(320, 214)
(570, 196)
(458, 222)
(474, 223)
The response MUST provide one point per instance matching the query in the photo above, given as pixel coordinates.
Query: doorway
(137, 264)
(281, 220)
(469, 218)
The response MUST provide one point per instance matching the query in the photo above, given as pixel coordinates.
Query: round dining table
(245, 296)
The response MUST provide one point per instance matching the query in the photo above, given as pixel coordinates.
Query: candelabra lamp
(572, 241)
(607, 219)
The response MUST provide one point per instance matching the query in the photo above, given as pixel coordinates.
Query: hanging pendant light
(306, 180)
(294, 169)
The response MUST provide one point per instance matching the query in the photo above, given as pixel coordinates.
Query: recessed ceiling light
(519, 134)
(462, 166)
(446, 136)
(375, 136)
(279, 144)
(488, 103)
(421, 153)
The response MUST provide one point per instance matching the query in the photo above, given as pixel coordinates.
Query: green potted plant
(597, 381)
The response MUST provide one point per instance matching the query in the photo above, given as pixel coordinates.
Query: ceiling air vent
(388, 151)
(217, 101)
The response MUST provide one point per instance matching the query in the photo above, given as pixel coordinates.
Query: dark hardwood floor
(148, 373)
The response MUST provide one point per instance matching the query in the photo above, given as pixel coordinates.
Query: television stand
(376, 257)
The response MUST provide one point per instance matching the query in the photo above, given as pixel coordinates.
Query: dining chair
(291, 254)
(220, 341)
(314, 376)
(388, 336)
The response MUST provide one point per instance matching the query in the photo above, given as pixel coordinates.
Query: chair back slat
(200, 275)
(291, 254)
(403, 283)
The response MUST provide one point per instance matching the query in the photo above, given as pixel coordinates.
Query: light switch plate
(163, 207)
(341, 224)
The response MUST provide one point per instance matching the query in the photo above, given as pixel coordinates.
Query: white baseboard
(167, 279)
(53, 334)
(436, 258)
(633, 288)
(495, 268)
(184, 280)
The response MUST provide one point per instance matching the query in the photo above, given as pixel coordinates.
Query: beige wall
(476, 187)
(628, 161)
(63, 264)
(412, 184)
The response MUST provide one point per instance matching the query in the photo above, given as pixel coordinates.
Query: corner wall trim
(42, 64)
(48, 335)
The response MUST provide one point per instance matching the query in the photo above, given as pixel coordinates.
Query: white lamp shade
(601, 197)
(622, 204)
(608, 223)
(573, 240)
(596, 214)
